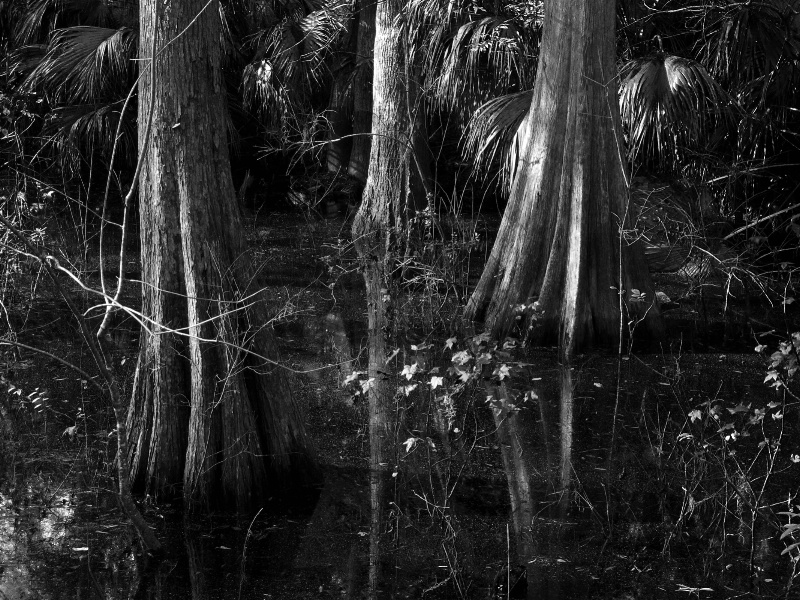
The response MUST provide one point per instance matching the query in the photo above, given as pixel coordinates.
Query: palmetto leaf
(24, 60)
(45, 15)
(262, 90)
(468, 55)
(667, 104)
(321, 30)
(493, 134)
(90, 126)
(753, 48)
(743, 41)
(481, 58)
(86, 64)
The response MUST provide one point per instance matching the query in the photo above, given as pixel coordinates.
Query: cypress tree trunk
(210, 411)
(559, 241)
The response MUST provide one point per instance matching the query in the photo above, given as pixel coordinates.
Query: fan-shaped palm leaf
(494, 133)
(24, 60)
(667, 105)
(469, 56)
(753, 48)
(482, 56)
(86, 64)
(90, 126)
(43, 16)
(743, 41)
(11, 12)
(262, 90)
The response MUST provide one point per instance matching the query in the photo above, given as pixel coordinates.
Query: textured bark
(208, 411)
(363, 90)
(377, 232)
(559, 239)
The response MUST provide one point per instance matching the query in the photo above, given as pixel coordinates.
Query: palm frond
(291, 60)
(481, 59)
(321, 31)
(743, 41)
(86, 64)
(470, 54)
(38, 21)
(24, 60)
(667, 103)
(90, 126)
(753, 49)
(262, 90)
(495, 134)
(44, 16)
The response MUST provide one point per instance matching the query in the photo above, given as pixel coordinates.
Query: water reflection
(25, 530)
(566, 404)
(58, 544)
(539, 480)
(524, 501)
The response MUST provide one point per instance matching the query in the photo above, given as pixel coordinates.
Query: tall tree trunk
(559, 241)
(210, 411)
(363, 90)
(377, 231)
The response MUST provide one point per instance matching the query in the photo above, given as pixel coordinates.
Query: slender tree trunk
(559, 241)
(378, 233)
(210, 411)
(363, 90)
(158, 414)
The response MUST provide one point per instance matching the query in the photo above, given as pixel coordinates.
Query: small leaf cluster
(12, 110)
(476, 359)
(37, 401)
(782, 362)
(792, 531)
(730, 421)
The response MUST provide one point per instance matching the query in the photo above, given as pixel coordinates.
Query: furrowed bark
(559, 240)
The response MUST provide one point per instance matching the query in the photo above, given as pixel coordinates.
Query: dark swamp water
(666, 474)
